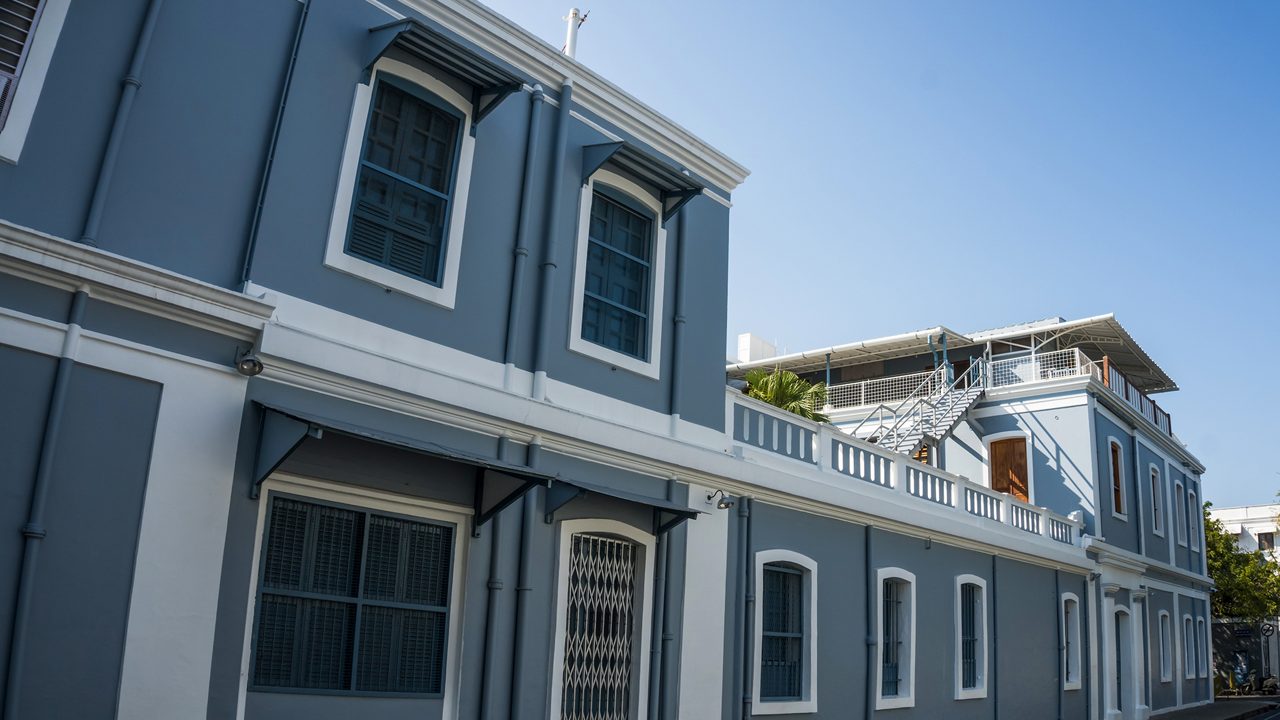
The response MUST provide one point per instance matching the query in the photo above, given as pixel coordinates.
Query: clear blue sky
(982, 163)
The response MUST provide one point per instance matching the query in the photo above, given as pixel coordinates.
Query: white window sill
(622, 361)
(1072, 685)
(893, 703)
(390, 280)
(971, 693)
(784, 707)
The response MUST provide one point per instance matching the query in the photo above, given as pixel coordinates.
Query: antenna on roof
(575, 20)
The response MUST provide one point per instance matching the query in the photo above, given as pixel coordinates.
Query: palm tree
(784, 389)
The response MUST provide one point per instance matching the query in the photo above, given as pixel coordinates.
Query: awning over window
(498, 483)
(492, 81)
(676, 187)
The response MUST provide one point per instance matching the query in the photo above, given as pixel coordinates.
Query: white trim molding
(652, 366)
(979, 690)
(26, 95)
(1069, 623)
(644, 591)
(808, 702)
(907, 655)
(335, 255)
(374, 501)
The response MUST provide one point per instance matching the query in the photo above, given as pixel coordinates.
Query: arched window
(1188, 648)
(971, 637)
(1070, 629)
(1116, 454)
(1157, 501)
(1166, 647)
(785, 677)
(895, 638)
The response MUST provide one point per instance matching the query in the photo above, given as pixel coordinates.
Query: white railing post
(820, 443)
(900, 476)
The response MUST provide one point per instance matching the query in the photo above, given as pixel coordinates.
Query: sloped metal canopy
(676, 187)
(492, 81)
(885, 348)
(498, 483)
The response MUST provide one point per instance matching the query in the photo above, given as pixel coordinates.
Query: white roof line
(846, 348)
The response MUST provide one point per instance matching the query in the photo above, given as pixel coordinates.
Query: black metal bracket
(280, 436)
(559, 495)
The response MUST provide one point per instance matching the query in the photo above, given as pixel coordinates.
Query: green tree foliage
(784, 389)
(1248, 583)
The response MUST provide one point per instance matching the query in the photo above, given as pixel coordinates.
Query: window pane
(401, 650)
(782, 628)
(891, 638)
(304, 643)
(612, 327)
(599, 629)
(338, 534)
(969, 635)
(408, 561)
(617, 278)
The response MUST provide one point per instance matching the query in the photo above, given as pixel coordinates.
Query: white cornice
(119, 280)
(1108, 554)
(502, 38)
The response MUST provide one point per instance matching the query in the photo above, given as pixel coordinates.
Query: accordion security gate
(599, 646)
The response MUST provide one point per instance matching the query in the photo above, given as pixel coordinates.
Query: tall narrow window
(971, 637)
(1117, 478)
(1009, 468)
(1194, 513)
(615, 303)
(406, 182)
(1166, 648)
(600, 631)
(782, 657)
(1070, 630)
(1180, 512)
(1188, 648)
(17, 26)
(896, 638)
(1202, 650)
(336, 578)
(1157, 502)
(785, 676)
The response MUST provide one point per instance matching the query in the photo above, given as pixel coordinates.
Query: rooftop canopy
(1096, 336)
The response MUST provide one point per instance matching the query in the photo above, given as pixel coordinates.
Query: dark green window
(615, 306)
(400, 216)
(782, 633)
(351, 601)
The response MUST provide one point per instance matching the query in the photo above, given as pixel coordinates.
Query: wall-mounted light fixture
(248, 364)
(725, 503)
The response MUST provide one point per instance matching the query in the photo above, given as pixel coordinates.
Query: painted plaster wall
(94, 506)
(1120, 532)
(1163, 694)
(1157, 545)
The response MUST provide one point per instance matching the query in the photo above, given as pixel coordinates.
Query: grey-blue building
(365, 358)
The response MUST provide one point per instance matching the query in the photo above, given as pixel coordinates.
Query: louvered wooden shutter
(17, 26)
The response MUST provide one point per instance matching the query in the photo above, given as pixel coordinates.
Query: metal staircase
(929, 414)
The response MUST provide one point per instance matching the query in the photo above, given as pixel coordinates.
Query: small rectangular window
(406, 182)
(615, 303)
(782, 655)
(1267, 541)
(334, 578)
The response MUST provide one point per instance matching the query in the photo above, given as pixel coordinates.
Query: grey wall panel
(94, 511)
(1118, 532)
(1075, 703)
(1163, 693)
(33, 298)
(1027, 630)
(1157, 544)
(1181, 548)
(26, 381)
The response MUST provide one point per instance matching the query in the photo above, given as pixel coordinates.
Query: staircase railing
(936, 379)
(924, 412)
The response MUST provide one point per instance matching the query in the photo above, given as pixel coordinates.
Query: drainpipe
(1057, 595)
(548, 268)
(656, 638)
(677, 333)
(33, 532)
(670, 660)
(252, 242)
(521, 251)
(748, 608)
(529, 510)
(132, 81)
(872, 590)
(735, 690)
(995, 639)
(495, 586)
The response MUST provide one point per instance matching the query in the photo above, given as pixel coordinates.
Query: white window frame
(908, 698)
(375, 501)
(1180, 512)
(980, 689)
(1165, 628)
(809, 683)
(1123, 512)
(1202, 647)
(22, 108)
(569, 528)
(1156, 478)
(1071, 636)
(1194, 513)
(652, 367)
(335, 255)
(1010, 435)
(1188, 647)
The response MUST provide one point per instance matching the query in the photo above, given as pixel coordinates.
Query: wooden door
(1009, 468)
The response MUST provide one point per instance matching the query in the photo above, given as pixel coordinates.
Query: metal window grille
(599, 643)
(969, 608)
(891, 638)
(1119, 665)
(405, 187)
(351, 601)
(1157, 513)
(782, 646)
(1068, 608)
(615, 304)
